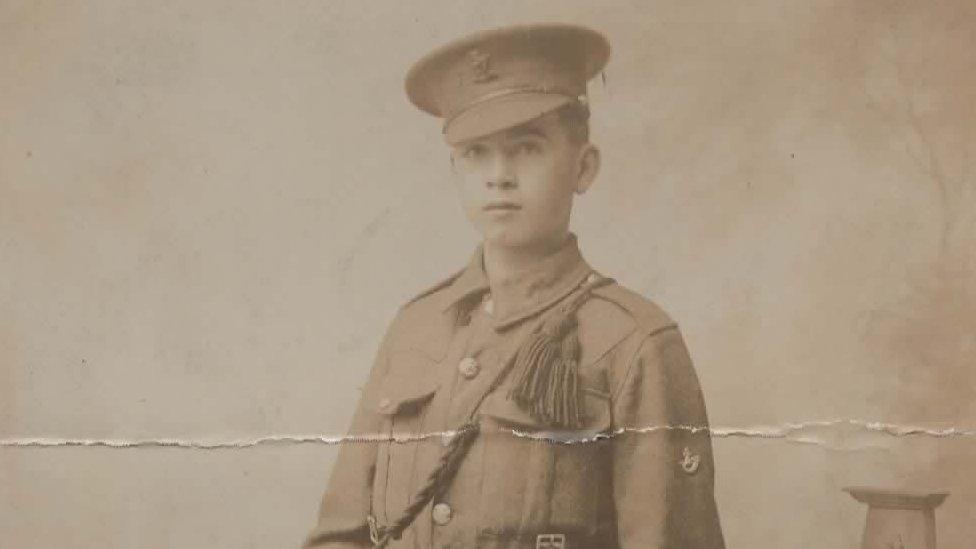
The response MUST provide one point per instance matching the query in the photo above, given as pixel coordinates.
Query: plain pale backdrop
(209, 211)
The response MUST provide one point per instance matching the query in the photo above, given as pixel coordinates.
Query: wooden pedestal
(898, 520)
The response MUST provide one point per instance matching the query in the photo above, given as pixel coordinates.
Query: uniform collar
(524, 294)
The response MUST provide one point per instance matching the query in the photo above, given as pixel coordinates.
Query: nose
(501, 174)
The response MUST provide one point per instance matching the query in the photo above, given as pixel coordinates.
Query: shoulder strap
(648, 316)
(439, 286)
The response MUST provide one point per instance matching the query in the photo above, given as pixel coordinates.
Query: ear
(589, 167)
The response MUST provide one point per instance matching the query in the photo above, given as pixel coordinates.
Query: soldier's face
(517, 185)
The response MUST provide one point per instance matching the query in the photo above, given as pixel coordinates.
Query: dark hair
(575, 116)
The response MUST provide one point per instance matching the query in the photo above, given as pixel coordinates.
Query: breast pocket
(404, 397)
(542, 481)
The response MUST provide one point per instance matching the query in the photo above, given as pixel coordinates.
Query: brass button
(489, 306)
(592, 278)
(384, 404)
(441, 513)
(469, 367)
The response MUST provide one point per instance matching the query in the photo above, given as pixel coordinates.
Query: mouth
(501, 206)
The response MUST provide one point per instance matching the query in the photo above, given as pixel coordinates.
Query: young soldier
(526, 401)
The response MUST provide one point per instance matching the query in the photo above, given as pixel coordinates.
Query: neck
(502, 262)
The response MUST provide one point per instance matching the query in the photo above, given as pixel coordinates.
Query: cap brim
(501, 113)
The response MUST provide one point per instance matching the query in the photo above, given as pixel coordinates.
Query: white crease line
(210, 444)
(795, 432)
(810, 432)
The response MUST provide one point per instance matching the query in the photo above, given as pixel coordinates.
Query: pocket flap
(409, 384)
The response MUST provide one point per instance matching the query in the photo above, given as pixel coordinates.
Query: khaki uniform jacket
(640, 473)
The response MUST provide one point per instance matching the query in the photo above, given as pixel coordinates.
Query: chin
(505, 237)
(514, 240)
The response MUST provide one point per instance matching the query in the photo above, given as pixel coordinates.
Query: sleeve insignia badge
(689, 461)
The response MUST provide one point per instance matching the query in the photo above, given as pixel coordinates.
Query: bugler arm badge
(689, 461)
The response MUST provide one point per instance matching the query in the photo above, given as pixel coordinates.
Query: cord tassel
(547, 367)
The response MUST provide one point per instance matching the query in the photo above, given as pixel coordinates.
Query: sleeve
(346, 502)
(663, 470)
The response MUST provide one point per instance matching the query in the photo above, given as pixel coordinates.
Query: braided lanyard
(553, 329)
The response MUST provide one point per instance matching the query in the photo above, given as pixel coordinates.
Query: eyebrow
(526, 131)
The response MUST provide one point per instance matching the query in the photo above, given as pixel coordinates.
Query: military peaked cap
(497, 79)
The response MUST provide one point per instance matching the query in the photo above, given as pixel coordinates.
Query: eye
(527, 147)
(474, 152)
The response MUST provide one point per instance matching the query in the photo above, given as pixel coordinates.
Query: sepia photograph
(634, 274)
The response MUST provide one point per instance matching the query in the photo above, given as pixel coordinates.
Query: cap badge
(480, 66)
(689, 461)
